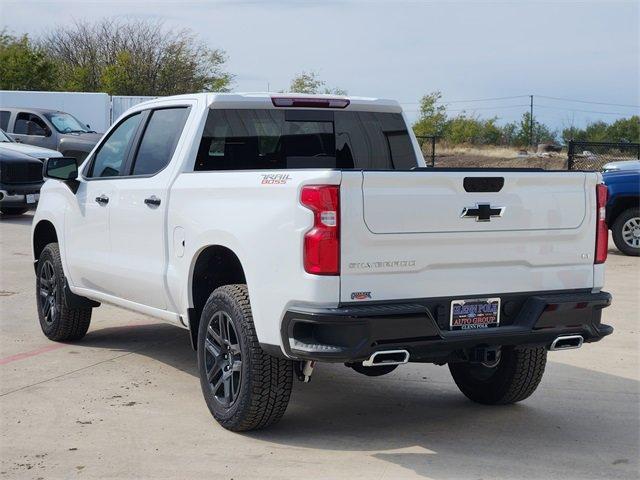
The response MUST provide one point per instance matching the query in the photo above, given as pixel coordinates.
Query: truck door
(138, 224)
(87, 241)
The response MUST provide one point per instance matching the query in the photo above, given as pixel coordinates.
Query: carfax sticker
(360, 295)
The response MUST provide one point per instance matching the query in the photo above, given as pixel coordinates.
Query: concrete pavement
(126, 403)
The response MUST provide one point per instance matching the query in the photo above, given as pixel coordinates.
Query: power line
(446, 102)
(583, 111)
(477, 108)
(586, 101)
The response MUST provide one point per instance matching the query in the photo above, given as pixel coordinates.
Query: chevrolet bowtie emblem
(482, 212)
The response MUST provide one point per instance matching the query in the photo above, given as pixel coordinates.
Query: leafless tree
(134, 58)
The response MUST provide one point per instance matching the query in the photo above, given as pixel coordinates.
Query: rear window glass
(246, 139)
(4, 120)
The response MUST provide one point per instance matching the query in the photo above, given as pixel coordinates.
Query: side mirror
(60, 168)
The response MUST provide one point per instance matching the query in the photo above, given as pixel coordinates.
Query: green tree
(541, 133)
(432, 117)
(24, 66)
(310, 82)
(625, 130)
(464, 129)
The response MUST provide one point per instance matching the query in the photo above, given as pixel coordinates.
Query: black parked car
(20, 182)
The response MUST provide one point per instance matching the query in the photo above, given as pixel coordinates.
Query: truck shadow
(24, 219)
(416, 418)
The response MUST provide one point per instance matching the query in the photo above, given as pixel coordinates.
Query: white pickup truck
(286, 230)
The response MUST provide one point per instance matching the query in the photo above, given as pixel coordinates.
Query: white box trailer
(90, 108)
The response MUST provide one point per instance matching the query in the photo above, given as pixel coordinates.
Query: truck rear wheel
(244, 387)
(59, 322)
(514, 378)
(626, 232)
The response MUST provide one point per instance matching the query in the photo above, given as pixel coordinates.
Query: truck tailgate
(420, 234)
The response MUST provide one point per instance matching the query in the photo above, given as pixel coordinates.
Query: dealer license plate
(32, 197)
(475, 314)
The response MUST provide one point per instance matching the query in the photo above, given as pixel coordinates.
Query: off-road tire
(69, 323)
(13, 210)
(616, 231)
(515, 378)
(265, 381)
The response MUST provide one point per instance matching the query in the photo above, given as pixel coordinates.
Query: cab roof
(264, 100)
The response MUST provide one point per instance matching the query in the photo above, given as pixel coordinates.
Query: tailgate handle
(483, 184)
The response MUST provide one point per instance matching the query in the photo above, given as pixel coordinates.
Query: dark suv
(20, 182)
(50, 129)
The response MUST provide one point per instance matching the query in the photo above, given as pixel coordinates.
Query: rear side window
(110, 157)
(246, 139)
(159, 140)
(4, 120)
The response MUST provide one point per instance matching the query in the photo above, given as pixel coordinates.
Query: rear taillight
(602, 233)
(322, 243)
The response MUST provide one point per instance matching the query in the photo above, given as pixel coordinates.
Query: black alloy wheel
(223, 359)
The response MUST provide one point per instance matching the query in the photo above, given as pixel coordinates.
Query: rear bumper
(352, 333)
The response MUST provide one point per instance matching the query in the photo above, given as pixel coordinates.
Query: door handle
(102, 199)
(152, 201)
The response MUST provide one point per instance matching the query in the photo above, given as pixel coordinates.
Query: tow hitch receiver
(486, 355)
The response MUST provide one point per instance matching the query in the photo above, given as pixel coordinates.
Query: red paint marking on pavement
(32, 353)
(56, 346)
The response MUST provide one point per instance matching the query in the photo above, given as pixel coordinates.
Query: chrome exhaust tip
(387, 357)
(566, 342)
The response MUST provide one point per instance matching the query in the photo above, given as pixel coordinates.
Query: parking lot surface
(125, 402)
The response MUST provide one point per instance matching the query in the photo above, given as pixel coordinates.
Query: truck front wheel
(244, 387)
(58, 320)
(514, 378)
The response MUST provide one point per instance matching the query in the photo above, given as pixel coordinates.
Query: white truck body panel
(401, 232)
(413, 242)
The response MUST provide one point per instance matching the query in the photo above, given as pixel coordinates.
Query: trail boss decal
(275, 178)
(360, 295)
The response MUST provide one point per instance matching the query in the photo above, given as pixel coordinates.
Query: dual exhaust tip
(387, 357)
(400, 357)
(566, 342)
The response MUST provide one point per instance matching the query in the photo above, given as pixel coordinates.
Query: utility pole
(531, 121)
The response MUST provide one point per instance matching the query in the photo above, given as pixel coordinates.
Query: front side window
(246, 139)
(110, 157)
(30, 124)
(65, 123)
(159, 141)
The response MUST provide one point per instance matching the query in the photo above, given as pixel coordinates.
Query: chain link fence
(594, 155)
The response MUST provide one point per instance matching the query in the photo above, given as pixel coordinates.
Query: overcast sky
(587, 50)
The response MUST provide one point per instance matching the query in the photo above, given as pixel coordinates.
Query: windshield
(284, 139)
(4, 138)
(65, 123)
